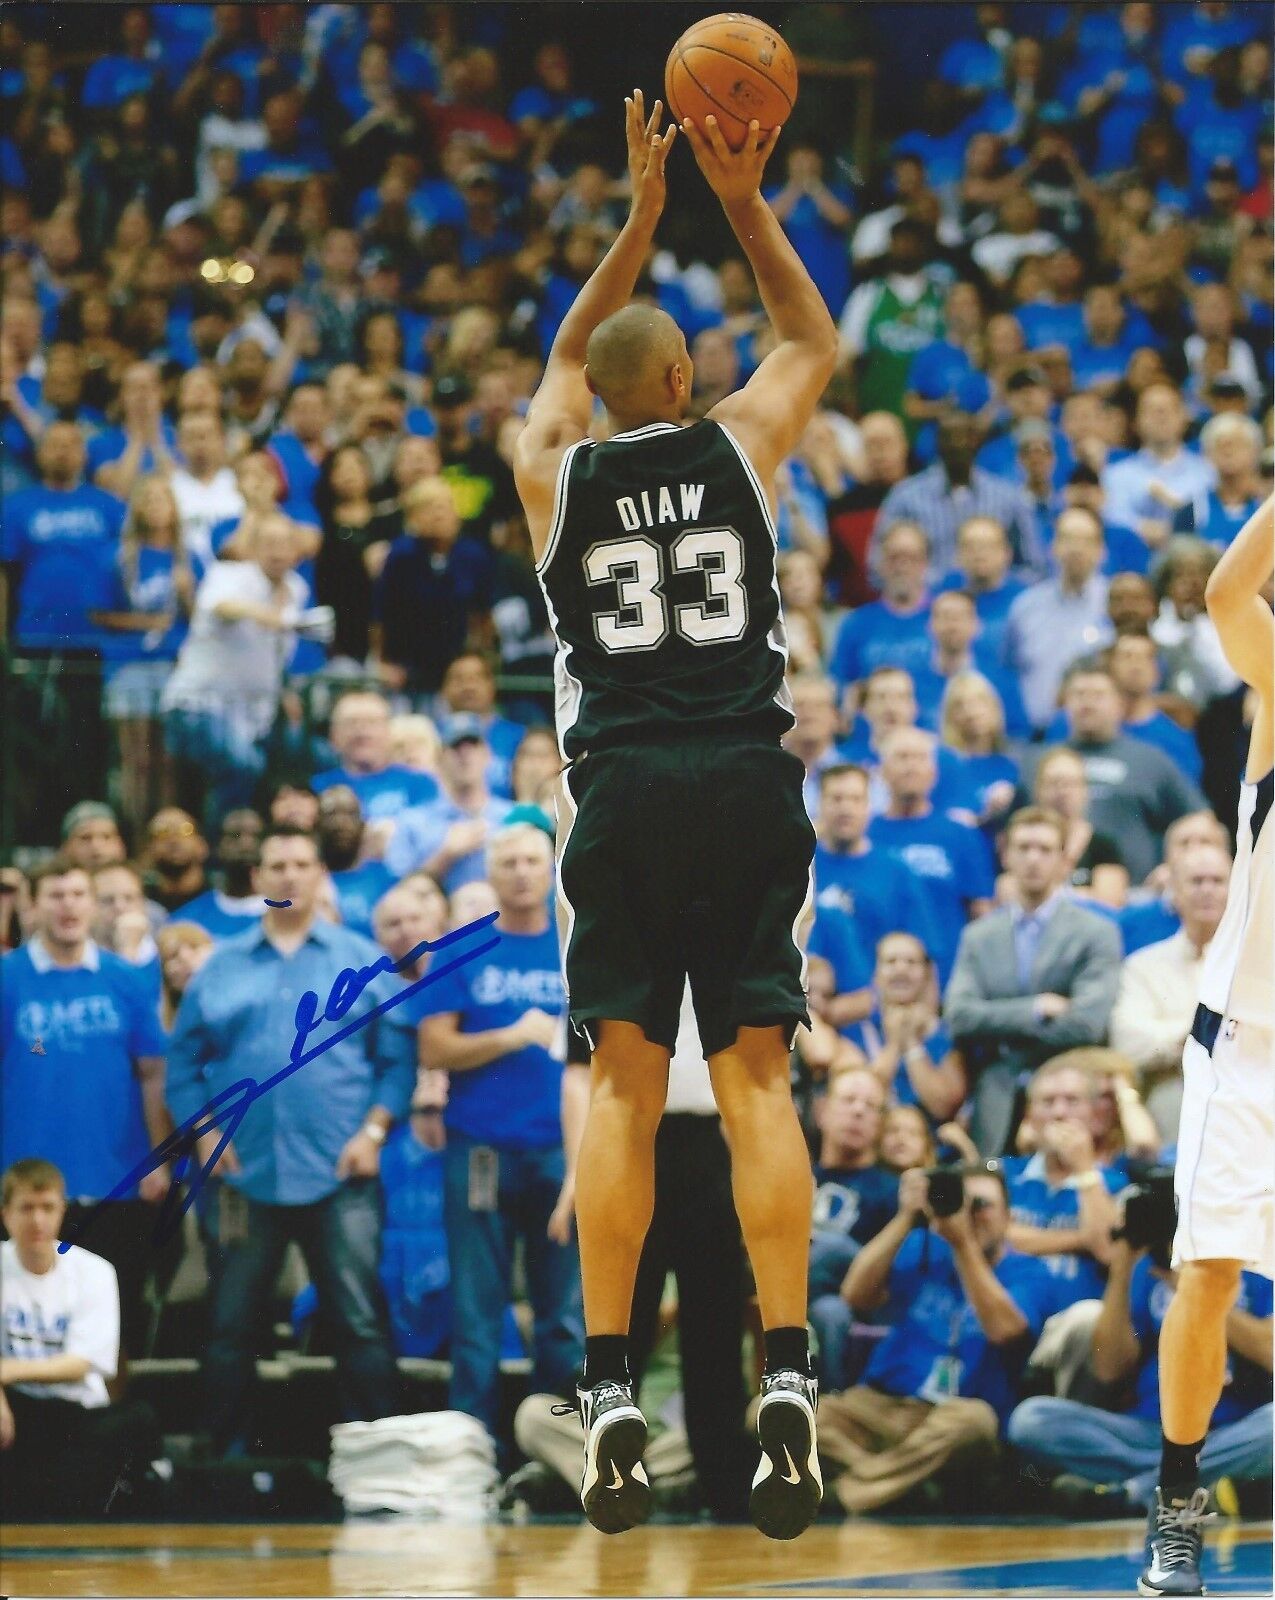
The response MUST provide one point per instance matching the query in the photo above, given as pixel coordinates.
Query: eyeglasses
(173, 830)
(979, 1204)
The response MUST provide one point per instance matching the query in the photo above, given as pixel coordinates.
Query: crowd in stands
(279, 283)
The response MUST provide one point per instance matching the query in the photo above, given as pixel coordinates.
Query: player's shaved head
(630, 360)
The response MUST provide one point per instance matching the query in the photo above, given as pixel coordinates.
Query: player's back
(659, 572)
(1236, 981)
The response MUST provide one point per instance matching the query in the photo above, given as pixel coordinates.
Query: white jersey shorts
(1225, 1173)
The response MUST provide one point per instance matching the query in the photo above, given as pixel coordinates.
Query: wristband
(1084, 1180)
(375, 1132)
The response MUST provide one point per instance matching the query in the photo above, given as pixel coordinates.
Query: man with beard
(232, 907)
(358, 886)
(174, 858)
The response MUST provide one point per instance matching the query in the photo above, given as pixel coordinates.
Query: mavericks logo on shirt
(494, 986)
(65, 1023)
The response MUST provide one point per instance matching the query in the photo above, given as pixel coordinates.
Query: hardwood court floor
(396, 1558)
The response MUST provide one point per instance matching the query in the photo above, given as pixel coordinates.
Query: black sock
(787, 1347)
(1179, 1468)
(606, 1359)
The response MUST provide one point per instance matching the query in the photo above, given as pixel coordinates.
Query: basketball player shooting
(1226, 1136)
(683, 845)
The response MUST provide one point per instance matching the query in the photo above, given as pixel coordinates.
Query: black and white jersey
(659, 575)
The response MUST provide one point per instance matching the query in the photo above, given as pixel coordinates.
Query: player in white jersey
(1226, 1137)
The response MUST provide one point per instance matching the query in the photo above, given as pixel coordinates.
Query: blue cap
(464, 725)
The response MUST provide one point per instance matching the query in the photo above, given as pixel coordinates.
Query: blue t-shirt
(931, 685)
(877, 891)
(821, 246)
(1245, 1386)
(936, 1348)
(357, 891)
(1000, 456)
(955, 865)
(1099, 363)
(857, 1201)
(70, 1039)
(57, 537)
(301, 474)
(109, 445)
(221, 916)
(981, 772)
(1157, 730)
(1220, 133)
(992, 607)
(1044, 323)
(869, 1035)
(414, 1268)
(1035, 1203)
(874, 636)
(1141, 925)
(512, 1102)
(149, 588)
(837, 939)
(114, 79)
(971, 64)
(1209, 519)
(385, 793)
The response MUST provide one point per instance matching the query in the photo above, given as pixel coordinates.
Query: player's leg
(1193, 1363)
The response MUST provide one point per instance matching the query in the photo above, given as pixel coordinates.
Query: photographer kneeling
(964, 1311)
(1118, 1452)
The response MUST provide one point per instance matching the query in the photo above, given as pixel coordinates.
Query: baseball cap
(453, 390)
(464, 725)
(87, 811)
(532, 814)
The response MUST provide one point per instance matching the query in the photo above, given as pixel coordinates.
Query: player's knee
(1215, 1283)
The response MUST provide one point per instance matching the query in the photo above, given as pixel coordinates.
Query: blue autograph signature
(227, 1109)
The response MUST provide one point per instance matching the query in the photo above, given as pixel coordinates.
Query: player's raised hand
(732, 174)
(648, 151)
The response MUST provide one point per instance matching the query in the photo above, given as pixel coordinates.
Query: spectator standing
(953, 633)
(469, 689)
(358, 884)
(813, 735)
(852, 514)
(963, 1308)
(183, 948)
(1030, 979)
(356, 540)
(204, 485)
(944, 496)
(83, 1073)
(174, 855)
(1134, 660)
(481, 481)
(1158, 984)
(490, 1024)
(302, 1164)
(360, 735)
(815, 215)
(1059, 619)
(888, 319)
(903, 1038)
(447, 836)
(63, 1446)
(228, 907)
(91, 835)
(1145, 490)
(1194, 664)
(952, 860)
(1094, 865)
(1136, 791)
(143, 444)
(971, 725)
(890, 631)
(1153, 915)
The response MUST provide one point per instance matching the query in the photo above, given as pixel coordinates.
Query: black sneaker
(1174, 1545)
(788, 1487)
(615, 1491)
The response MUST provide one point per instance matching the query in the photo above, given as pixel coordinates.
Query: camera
(946, 1190)
(1150, 1215)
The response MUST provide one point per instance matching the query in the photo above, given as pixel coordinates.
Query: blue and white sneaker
(615, 1491)
(788, 1486)
(1174, 1545)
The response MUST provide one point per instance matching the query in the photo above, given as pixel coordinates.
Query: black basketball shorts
(685, 859)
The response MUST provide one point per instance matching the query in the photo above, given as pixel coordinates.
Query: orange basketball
(734, 68)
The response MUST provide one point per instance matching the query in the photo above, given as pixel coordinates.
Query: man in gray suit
(1032, 979)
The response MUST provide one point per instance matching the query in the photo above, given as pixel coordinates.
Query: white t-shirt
(73, 1309)
(203, 506)
(225, 666)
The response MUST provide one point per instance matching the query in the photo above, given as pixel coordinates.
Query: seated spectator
(906, 1139)
(447, 837)
(1135, 790)
(83, 1073)
(296, 805)
(954, 630)
(878, 890)
(888, 702)
(806, 618)
(408, 915)
(490, 1023)
(64, 1448)
(1095, 867)
(122, 925)
(232, 905)
(300, 447)
(852, 514)
(813, 735)
(414, 743)
(429, 597)
(1031, 979)
(963, 1309)
(854, 1199)
(982, 569)
(360, 735)
(1154, 915)
(91, 835)
(1059, 619)
(297, 1176)
(1118, 1451)
(1134, 660)
(971, 724)
(359, 884)
(1158, 983)
(469, 688)
(890, 631)
(903, 1038)
(1195, 666)
(953, 490)
(174, 855)
(1145, 490)
(952, 860)
(1233, 447)
(1124, 1132)
(183, 948)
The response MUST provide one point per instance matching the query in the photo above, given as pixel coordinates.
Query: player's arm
(1234, 598)
(769, 414)
(560, 410)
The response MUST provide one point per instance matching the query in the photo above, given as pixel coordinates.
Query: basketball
(735, 68)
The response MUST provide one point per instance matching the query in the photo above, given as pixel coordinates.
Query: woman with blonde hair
(972, 724)
(414, 743)
(153, 579)
(183, 949)
(1097, 869)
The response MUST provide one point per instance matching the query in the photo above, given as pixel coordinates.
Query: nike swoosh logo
(792, 1475)
(618, 1481)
